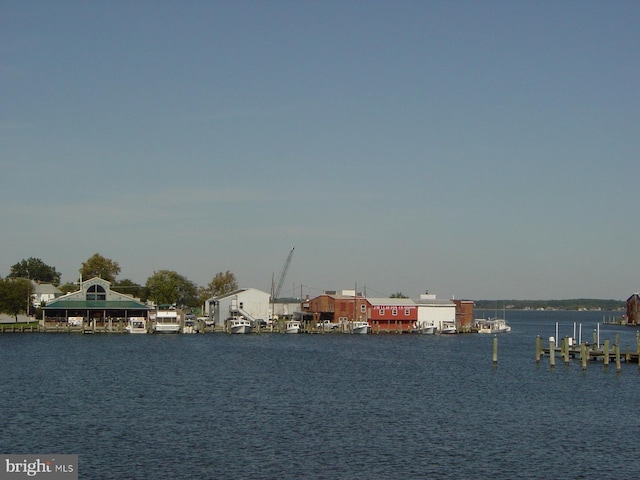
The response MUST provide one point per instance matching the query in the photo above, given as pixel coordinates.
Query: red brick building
(392, 314)
(464, 315)
(633, 309)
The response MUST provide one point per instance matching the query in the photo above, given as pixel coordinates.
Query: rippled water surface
(220, 406)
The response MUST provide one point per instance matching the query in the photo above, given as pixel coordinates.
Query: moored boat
(447, 327)
(425, 327)
(360, 327)
(292, 326)
(136, 325)
(493, 325)
(239, 325)
(166, 321)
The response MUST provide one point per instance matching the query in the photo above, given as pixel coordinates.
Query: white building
(43, 293)
(249, 303)
(432, 311)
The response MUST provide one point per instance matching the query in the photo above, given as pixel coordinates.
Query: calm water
(276, 406)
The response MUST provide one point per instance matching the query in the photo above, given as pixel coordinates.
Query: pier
(567, 349)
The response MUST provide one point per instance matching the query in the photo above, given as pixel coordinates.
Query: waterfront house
(43, 293)
(94, 305)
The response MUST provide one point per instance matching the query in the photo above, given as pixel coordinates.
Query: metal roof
(95, 305)
(401, 302)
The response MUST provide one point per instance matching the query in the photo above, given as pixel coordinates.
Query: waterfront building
(633, 309)
(43, 293)
(250, 303)
(392, 314)
(93, 305)
(436, 312)
(338, 307)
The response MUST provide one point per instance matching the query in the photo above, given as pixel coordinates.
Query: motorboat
(360, 327)
(493, 325)
(167, 321)
(136, 325)
(292, 326)
(239, 325)
(426, 328)
(447, 327)
(190, 327)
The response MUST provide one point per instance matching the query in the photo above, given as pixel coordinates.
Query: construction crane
(283, 274)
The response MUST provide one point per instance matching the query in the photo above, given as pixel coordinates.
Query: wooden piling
(565, 351)
(583, 355)
(495, 350)
(606, 353)
(552, 353)
(538, 348)
(617, 352)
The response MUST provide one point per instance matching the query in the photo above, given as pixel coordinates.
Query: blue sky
(482, 150)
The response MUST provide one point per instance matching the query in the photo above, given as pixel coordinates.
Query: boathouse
(94, 305)
(436, 312)
(249, 303)
(633, 309)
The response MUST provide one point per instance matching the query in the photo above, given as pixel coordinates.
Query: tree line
(163, 287)
(569, 304)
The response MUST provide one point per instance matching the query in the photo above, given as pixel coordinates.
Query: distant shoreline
(579, 304)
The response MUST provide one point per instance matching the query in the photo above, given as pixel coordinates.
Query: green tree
(129, 287)
(169, 287)
(35, 269)
(223, 282)
(15, 296)
(398, 295)
(68, 288)
(99, 266)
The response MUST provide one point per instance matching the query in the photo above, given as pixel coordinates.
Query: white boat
(426, 328)
(239, 325)
(292, 326)
(360, 327)
(447, 327)
(493, 325)
(167, 321)
(190, 327)
(136, 325)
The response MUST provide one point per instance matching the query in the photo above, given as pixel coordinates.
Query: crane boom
(283, 274)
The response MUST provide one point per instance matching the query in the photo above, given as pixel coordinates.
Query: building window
(363, 308)
(406, 312)
(381, 311)
(96, 292)
(394, 312)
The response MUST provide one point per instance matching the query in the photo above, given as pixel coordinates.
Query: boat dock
(605, 352)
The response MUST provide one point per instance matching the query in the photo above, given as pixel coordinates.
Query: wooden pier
(587, 353)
